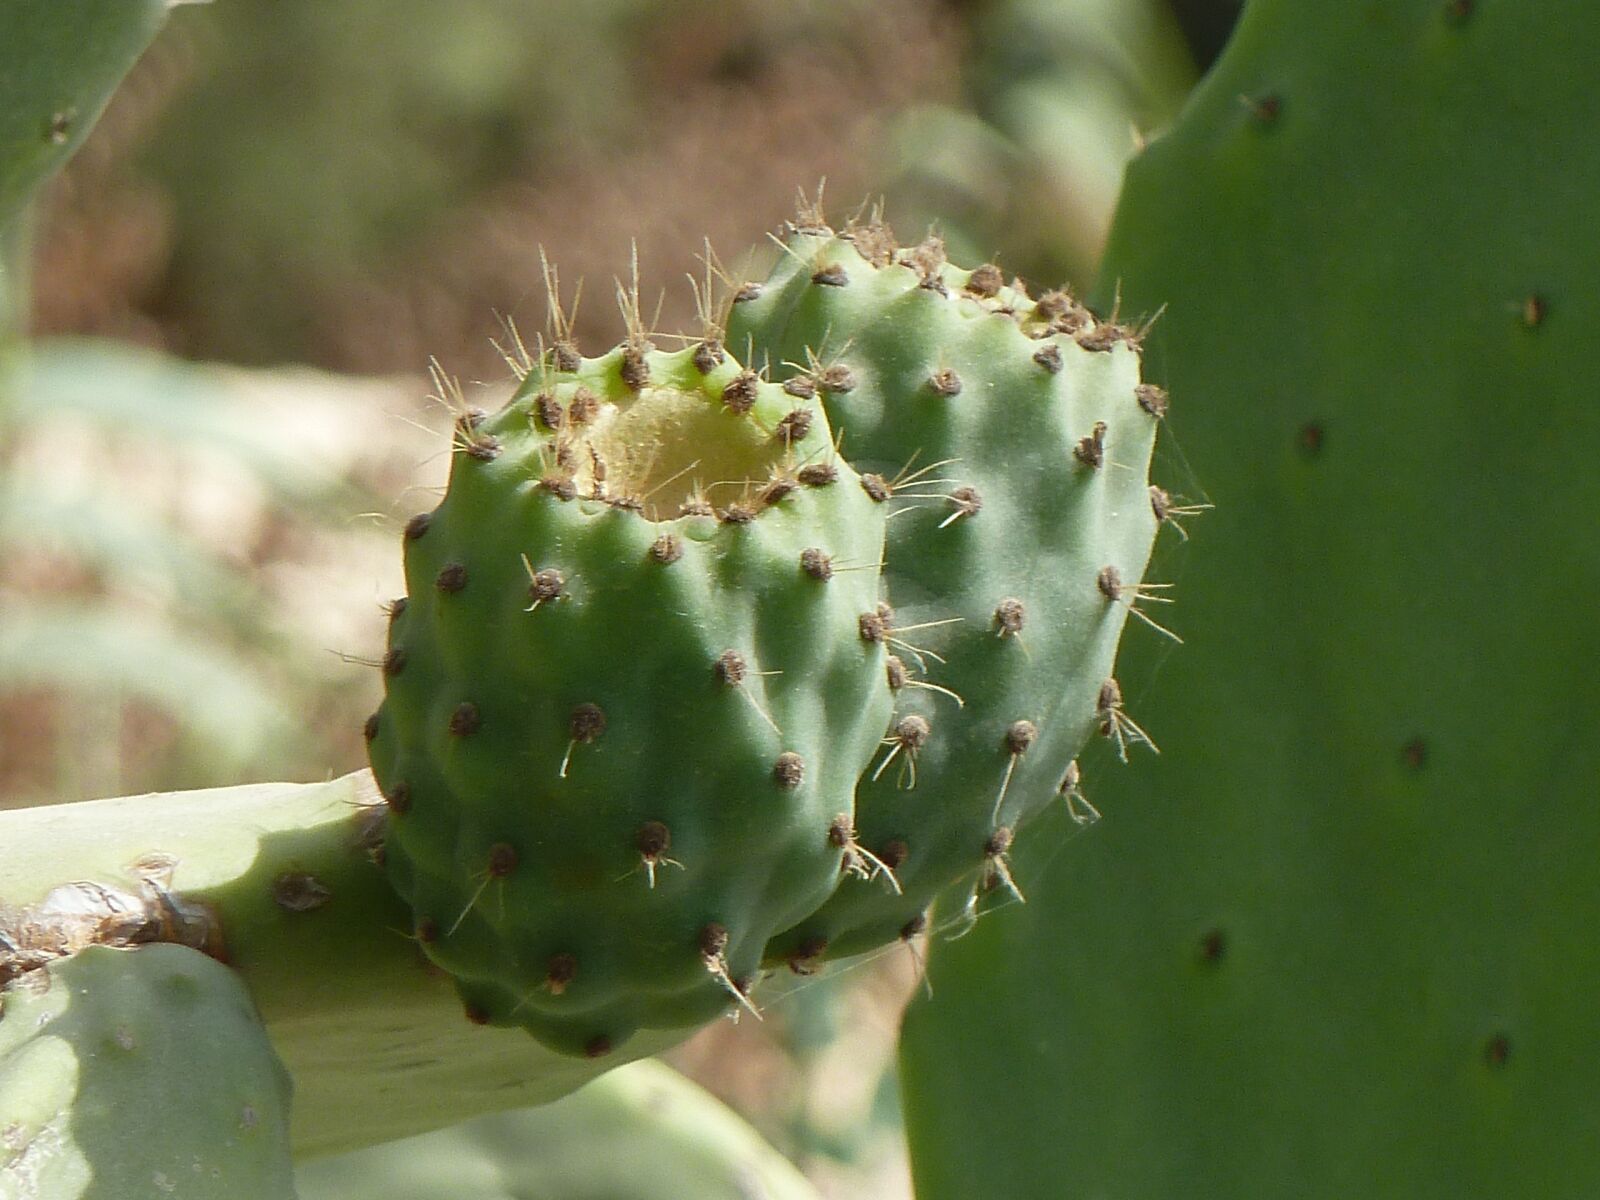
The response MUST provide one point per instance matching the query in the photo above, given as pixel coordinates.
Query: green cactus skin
(59, 62)
(626, 697)
(642, 1132)
(1339, 940)
(279, 880)
(139, 1072)
(1009, 439)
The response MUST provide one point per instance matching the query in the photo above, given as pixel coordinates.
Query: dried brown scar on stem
(1116, 724)
(653, 840)
(1109, 581)
(586, 724)
(73, 916)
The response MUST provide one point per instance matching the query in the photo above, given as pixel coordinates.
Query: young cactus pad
(139, 1072)
(1008, 440)
(627, 700)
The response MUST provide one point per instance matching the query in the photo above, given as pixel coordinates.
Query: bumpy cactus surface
(139, 1072)
(663, 704)
(1008, 438)
(1339, 940)
(626, 696)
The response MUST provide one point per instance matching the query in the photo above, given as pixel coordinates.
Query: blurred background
(293, 205)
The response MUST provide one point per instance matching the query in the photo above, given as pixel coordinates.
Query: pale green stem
(280, 881)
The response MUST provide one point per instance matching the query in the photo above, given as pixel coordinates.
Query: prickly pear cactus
(1007, 439)
(131, 1073)
(640, 1132)
(627, 696)
(59, 62)
(1339, 939)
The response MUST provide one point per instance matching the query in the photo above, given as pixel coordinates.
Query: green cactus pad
(1008, 440)
(1339, 940)
(59, 62)
(627, 699)
(640, 1132)
(132, 1073)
